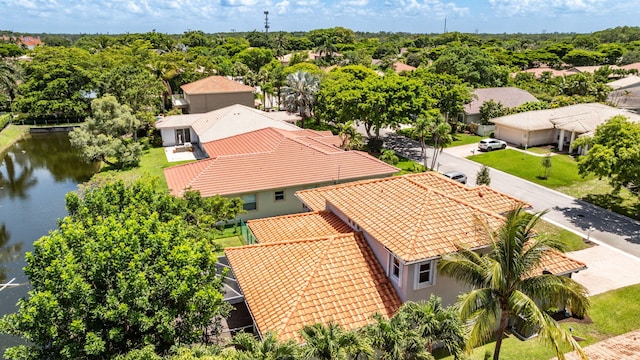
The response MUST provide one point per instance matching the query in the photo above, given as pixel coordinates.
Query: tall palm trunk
(501, 328)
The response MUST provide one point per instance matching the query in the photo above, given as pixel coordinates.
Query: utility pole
(445, 25)
(266, 22)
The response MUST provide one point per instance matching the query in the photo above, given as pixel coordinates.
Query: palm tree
(422, 128)
(435, 323)
(441, 136)
(396, 339)
(300, 93)
(331, 342)
(349, 135)
(164, 71)
(269, 348)
(8, 82)
(505, 286)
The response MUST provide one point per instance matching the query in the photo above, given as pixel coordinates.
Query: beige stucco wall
(202, 103)
(443, 286)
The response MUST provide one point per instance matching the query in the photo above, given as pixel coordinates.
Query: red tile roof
(414, 222)
(294, 283)
(272, 159)
(481, 196)
(298, 226)
(215, 85)
(558, 263)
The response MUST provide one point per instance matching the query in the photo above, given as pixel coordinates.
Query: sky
(412, 16)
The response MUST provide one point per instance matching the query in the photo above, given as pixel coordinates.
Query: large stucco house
(212, 93)
(365, 247)
(266, 167)
(559, 126)
(217, 124)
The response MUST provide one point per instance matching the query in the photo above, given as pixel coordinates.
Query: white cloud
(282, 7)
(551, 7)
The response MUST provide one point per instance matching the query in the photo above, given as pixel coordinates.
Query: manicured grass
(152, 163)
(612, 313)
(572, 241)
(10, 134)
(407, 166)
(564, 178)
(564, 170)
(464, 139)
(537, 150)
(229, 241)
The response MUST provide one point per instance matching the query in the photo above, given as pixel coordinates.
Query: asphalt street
(597, 224)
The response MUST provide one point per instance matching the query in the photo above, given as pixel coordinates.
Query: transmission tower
(266, 22)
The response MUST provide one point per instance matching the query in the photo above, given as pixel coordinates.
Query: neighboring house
(366, 247)
(229, 121)
(626, 93)
(400, 67)
(539, 71)
(266, 167)
(212, 93)
(507, 96)
(558, 126)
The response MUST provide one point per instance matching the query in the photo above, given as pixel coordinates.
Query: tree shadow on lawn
(614, 203)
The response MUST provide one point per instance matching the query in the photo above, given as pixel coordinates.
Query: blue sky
(414, 16)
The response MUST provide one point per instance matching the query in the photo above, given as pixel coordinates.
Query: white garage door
(510, 135)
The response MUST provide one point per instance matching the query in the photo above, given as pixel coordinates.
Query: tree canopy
(614, 152)
(128, 268)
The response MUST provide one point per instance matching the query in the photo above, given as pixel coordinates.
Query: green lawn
(152, 163)
(229, 241)
(11, 134)
(612, 313)
(564, 170)
(572, 241)
(564, 178)
(464, 139)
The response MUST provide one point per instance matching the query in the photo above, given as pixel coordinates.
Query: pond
(35, 175)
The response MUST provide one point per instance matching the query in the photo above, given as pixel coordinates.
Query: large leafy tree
(505, 285)
(613, 152)
(129, 267)
(56, 83)
(108, 135)
(473, 65)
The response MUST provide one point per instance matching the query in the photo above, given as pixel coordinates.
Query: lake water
(35, 175)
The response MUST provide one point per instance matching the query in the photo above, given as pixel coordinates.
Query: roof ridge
(199, 174)
(320, 261)
(423, 209)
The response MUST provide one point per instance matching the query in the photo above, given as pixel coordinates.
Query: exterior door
(183, 136)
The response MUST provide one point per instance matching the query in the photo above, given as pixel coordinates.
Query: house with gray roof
(559, 126)
(219, 124)
(507, 96)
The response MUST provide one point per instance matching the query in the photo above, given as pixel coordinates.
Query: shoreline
(11, 134)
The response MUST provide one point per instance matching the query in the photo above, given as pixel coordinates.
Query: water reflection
(16, 180)
(8, 252)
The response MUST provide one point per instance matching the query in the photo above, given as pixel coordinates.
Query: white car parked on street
(491, 144)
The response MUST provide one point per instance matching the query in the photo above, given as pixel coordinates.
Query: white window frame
(255, 201)
(392, 265)
(276, 193)
(416, 280)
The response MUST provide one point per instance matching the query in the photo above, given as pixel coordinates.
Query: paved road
(606, 227)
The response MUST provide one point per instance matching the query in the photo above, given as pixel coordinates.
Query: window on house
(183, 136)
(249, 202)
(279, 195)
(395, 270)
(424, 274)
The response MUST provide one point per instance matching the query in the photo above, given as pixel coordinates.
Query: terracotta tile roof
(267, 159)
(481, 196)
(558, 263)
(298, 226)
(215, 85)
(294, 283)
(625, 346)
(413, 221)
(400, 67)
